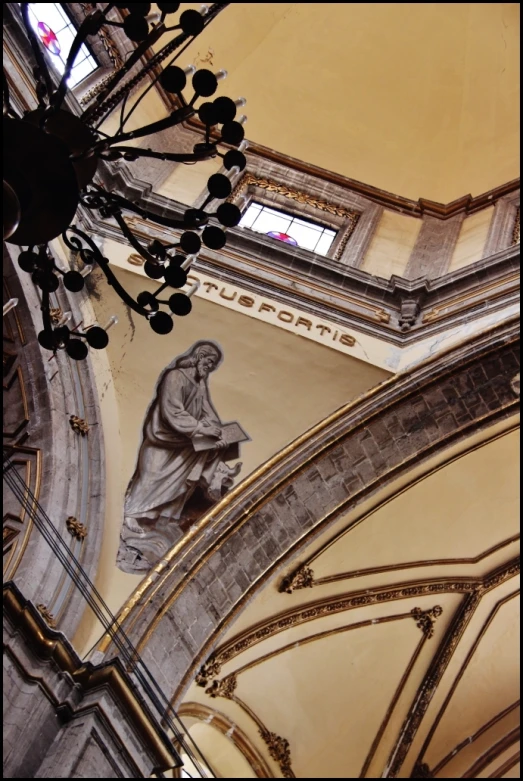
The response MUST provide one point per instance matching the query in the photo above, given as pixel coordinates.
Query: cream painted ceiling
(336, 680)
(419, 99)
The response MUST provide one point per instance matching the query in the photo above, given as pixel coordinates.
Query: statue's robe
(168, 468)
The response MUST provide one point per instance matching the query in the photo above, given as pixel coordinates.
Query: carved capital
(425, 619)
(224, 688)
(46, 615)
(76, 528)
(210, 669)
(280, 751)
(303, 577)
(79, 425)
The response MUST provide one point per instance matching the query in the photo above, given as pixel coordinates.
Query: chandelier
(52, 156)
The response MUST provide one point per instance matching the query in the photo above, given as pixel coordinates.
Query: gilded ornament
(280, 751)
(79, 425)
(76, 528)
(303, 577)
(135, 260)
(56, 315)
(46, 615)
(425, 619)
(515, 232)
(295, 195)
(207, 671)
(515, 384)
(224, 688)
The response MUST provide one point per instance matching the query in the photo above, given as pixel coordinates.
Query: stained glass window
(288, 229)
(56, 31)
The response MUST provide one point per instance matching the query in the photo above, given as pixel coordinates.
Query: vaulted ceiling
(414, 608)
(420, 99)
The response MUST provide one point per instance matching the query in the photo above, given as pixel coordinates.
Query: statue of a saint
(182, 465)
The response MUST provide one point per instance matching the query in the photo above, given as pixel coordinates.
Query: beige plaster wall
(472, 239)
(391, 245)
(276, 384)
(419, 99)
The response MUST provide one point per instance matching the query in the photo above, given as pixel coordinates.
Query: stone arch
(65, 468)
(182, 609)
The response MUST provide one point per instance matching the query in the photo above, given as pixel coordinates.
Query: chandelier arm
(173, 157)
(154, 81)
(86, 28)
(136, 55)
(38, 54)
(123, 203)
(133, 241)
(119, 289)
(99, 110)
(75, 244)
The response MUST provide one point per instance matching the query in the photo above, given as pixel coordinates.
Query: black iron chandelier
(51, 157)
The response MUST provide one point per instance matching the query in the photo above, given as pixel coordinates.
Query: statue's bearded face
(206, 364)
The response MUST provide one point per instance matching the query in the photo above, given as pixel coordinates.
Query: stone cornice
(48, 644)
(405, 310)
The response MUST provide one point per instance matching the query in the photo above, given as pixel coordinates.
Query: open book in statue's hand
(231, 434)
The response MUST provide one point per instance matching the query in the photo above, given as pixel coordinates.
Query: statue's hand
(211, 429)
(220, 445)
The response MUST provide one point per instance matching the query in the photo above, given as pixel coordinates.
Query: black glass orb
(168, 8)
(225, 109)
(214, 237)
(234, 158)
(204, 83)
(208, 114)
(191, 22)
(76, 349)
(74, 281)
(173, 79)
(140, 9)
(219, 186)
(175, 276)
(88, 256)
(190, 242)
(194, 218)
(45, 280)
(62, 335)
(229, 215)
(157, 249)
(147, 299)
(136, 27)
(96, 337)
(27, 261)
(180, 304)
(161, 323)
(233, 133)
(47, 340)
(153, 270)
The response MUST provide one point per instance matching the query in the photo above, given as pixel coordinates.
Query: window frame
(292, 217)
(49, 57)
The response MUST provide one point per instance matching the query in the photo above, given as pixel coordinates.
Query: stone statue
(182, 465)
